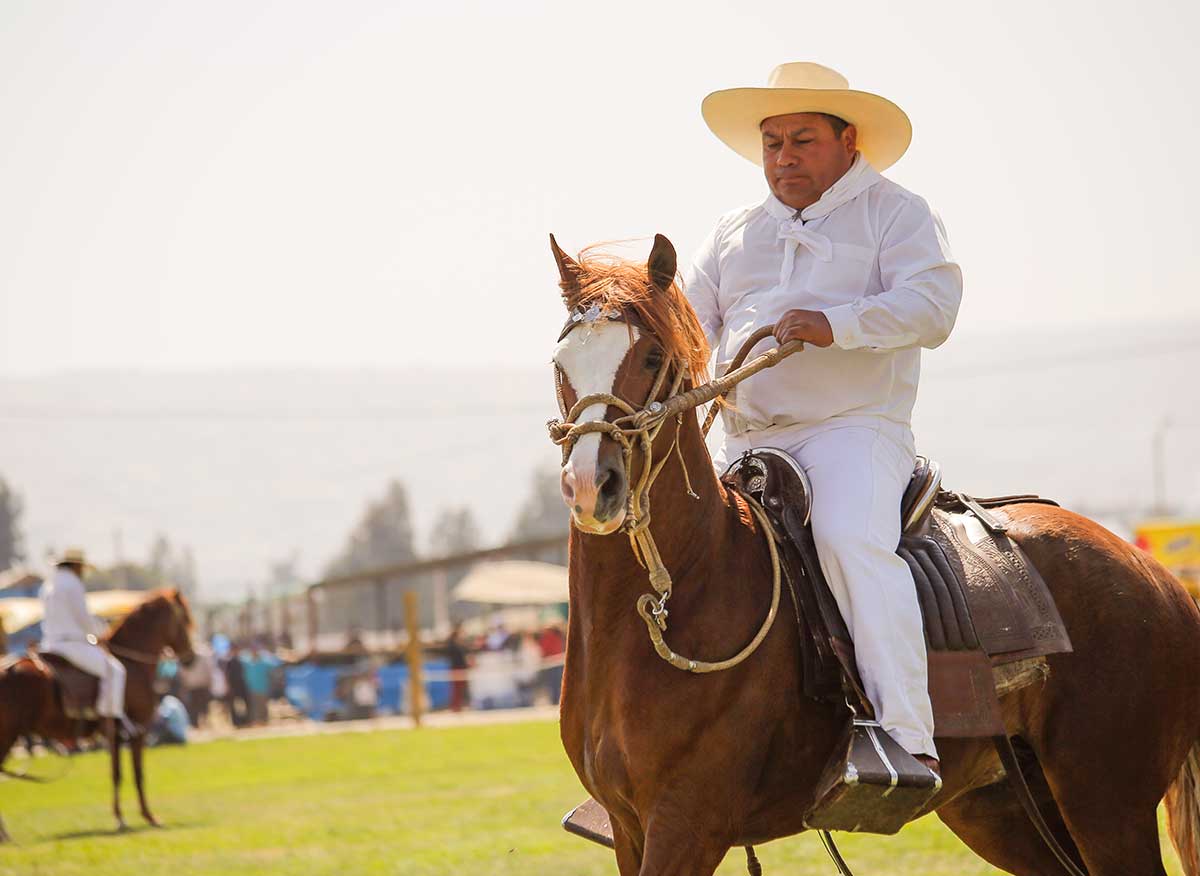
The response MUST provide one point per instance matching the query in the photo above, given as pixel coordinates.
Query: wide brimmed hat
(73, 555)
(735, 114)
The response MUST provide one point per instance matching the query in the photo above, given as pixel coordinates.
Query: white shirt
(872, 257)
(65, 618)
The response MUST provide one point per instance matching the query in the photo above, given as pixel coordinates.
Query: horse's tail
(1183, 811)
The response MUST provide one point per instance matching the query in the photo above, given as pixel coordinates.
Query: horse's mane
(623, 285)
(155, 604)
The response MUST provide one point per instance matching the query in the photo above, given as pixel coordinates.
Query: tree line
(382, 536)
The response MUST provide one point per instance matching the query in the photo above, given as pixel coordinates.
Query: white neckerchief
(853, 182)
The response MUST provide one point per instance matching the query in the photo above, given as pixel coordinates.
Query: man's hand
(810, 326)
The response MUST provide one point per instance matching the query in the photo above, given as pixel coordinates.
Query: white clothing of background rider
(66, 626)
(873, 259)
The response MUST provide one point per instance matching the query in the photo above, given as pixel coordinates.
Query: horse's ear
(569, 270)
(662, 262)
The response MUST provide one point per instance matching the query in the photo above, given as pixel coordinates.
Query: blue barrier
(393, 686)
(310, 689)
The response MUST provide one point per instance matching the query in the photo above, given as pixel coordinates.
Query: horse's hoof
(4, 837)
(151, 820)
(122, 827)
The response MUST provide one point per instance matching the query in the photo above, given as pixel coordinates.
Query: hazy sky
(199, 185)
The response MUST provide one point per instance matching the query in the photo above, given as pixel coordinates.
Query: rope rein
(640, 427)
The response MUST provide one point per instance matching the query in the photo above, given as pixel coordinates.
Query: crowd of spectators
(526, 664)
(225, 682)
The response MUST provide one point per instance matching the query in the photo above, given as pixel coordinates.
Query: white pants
(858, 474)
(95, 660)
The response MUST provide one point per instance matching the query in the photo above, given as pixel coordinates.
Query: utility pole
(415, 687)
(1159, 466)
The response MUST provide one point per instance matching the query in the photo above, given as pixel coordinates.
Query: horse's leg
(991, 822)
(137, 746)
(1108, 793)
(8, 738)
(1116, 836)
(681, 855)
(114, 747)
(629, 853)
(677, 846)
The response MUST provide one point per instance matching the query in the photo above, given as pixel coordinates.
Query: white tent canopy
(108, 605)
(18, 613)
(514, 582)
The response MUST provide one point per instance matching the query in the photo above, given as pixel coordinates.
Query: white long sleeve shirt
(65, 618)
(872, 257)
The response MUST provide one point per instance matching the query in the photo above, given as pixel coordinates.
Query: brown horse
(690, 765)
(30, 702)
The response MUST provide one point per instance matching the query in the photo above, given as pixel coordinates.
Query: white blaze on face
(590, 357)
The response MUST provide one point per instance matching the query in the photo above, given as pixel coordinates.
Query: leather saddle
(78, 691)
(989, 622)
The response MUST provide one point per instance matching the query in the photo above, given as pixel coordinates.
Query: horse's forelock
(624, 285)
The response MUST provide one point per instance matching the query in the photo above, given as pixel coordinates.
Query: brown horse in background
(30, 701)
(689, 766)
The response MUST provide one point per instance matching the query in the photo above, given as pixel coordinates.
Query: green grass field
(470, 801)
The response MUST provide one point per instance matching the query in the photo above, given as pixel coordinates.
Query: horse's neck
(138, 633)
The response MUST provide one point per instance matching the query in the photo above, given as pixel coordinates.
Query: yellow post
(417, 700)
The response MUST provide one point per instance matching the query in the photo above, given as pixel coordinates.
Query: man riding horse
(689, 746)
(846, 261)
(68, 630)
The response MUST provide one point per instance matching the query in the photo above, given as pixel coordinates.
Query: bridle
(640, 426)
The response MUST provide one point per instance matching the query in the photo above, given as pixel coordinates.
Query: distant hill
(245, 466)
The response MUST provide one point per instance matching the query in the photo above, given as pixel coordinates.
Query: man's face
(802, 156)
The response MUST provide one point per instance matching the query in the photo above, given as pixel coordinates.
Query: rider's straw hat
(73, 555)
(734, 114)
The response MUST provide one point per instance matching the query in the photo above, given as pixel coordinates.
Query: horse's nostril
(609, 483)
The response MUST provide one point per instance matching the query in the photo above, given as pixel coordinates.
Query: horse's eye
(654, 359)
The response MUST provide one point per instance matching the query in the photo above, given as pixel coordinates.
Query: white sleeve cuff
(847, 331)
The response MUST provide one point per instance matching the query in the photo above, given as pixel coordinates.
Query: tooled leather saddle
(989, 620)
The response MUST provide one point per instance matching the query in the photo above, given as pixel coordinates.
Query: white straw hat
(74, 555)
(735, 114)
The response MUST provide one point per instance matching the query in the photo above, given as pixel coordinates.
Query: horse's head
(630, 340)
(179, 627)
